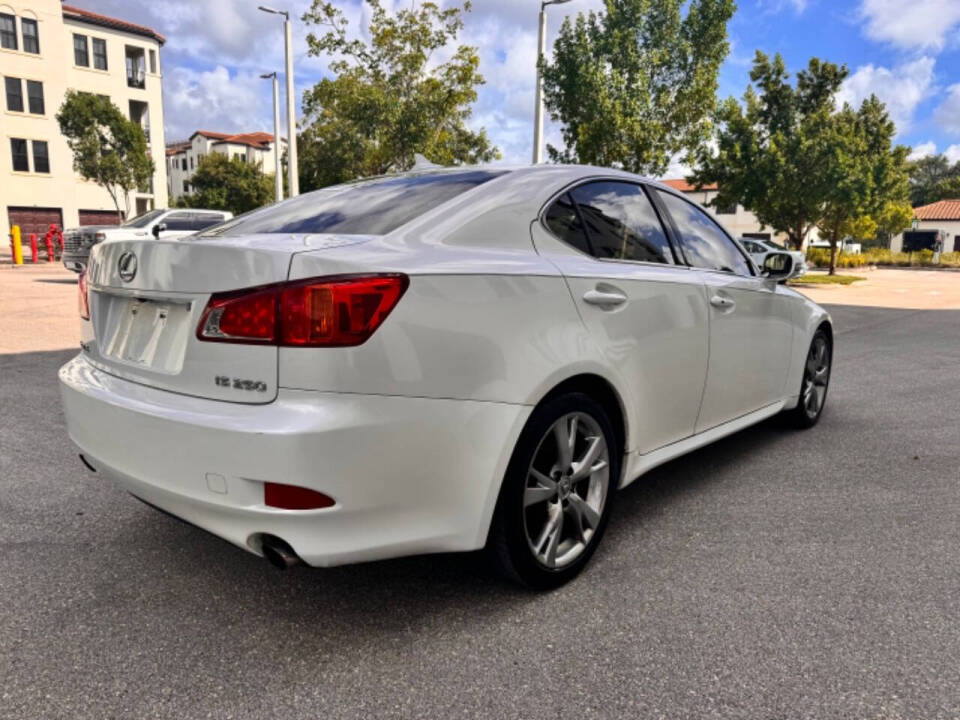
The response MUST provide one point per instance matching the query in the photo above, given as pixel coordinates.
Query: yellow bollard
(17, 247)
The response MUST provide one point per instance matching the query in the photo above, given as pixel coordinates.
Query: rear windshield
(374, 207)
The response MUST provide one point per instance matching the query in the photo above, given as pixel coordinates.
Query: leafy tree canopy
(107, 148)
(770, 151)
(635, 84)
(933, 178)
(222, 183)
(797, 162)
(389, 99)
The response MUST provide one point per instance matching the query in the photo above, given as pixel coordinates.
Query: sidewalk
(913, 289)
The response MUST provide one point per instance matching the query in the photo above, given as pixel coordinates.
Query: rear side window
(564, 222)
(704, 243)
(621, 222)
(374, 207)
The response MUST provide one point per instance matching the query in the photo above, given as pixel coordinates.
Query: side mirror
(778, 266)
(159, 228)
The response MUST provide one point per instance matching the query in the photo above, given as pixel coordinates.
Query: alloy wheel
(566, 489)
(816, 374)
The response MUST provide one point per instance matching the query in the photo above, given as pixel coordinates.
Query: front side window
(99, 54)
(14, 89)
(18, 149)
(80, 56)
(8, 31)
(31, 39)
(35, 97)
(373, 207)
(704, 243)
(179, 221)
(41, 160)
(201, 221)
(564, 221)
(621, 222)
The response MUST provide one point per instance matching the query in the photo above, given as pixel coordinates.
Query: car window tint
(373, 207)
(621, 222)
(562, 219)
(704, 244)
(179, 221)
(201, 221)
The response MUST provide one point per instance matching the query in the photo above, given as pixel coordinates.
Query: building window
(730, 209)
(186, 186)
(135, 67)
(140, 114)
(35, 97)
(191, 162)
(18, 149)
(99, 54)
(80, 56)
(41, 160)
(14, 90)
(183, 163)
(31, 40)
(8, 31)
(153, 61)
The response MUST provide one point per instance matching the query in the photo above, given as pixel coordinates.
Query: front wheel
(816, 380)
(557, 493)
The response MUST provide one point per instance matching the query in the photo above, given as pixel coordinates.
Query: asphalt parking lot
(774, 574)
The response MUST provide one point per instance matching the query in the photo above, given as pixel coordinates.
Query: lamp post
(292, 176)
(538, 109)
(277, 176)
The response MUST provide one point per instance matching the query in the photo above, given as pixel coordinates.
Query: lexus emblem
(127, 266)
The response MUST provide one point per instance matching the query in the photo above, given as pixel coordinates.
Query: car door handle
(721, 302)
(604, 298)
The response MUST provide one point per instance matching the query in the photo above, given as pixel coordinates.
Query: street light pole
(277, 175)
(292, 172)
(538, 108)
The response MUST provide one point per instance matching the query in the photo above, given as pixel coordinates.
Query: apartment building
(256, 148)
(47, 48)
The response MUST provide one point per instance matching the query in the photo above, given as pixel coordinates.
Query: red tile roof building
(941, 210)
(92, 18)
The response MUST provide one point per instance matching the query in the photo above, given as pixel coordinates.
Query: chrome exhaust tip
(278, 553)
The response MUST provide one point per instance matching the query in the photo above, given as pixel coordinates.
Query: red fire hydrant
(53, 233)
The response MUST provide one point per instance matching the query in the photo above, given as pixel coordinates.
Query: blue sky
(905, 51)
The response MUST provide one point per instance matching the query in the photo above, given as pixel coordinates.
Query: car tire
(554, 505)
(817, 366)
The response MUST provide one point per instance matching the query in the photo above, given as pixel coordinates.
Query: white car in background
(159, 224)
(759, 249)
(433, 361)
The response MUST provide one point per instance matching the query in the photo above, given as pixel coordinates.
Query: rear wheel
(816, 380)
(557, 493)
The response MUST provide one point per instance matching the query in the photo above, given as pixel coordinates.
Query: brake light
(291, 497)
(83, 296)
(340, 311)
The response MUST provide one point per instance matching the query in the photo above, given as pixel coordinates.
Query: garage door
(34, 220)
(99, 217)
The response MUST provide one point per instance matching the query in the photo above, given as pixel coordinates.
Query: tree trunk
(833, 254)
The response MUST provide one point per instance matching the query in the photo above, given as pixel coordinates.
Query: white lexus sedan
(436, 361)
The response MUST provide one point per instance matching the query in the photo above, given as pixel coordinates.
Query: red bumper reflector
(291, 497)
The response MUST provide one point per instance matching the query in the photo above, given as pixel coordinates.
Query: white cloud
(922, 150)
(947, 114)
(953, 153)
(911, 24)
(214, 100)
(902, 89)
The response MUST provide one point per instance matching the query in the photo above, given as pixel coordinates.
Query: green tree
(634, 85)
(932, 178)
(107, 148)
(893, 218)
(222, 183)
(389, 99)
(770, 151)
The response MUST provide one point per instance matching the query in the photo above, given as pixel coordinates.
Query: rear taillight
(83, 296)
(291, 497)
(340, 311)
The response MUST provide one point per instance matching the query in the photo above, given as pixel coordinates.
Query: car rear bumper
(409, 475)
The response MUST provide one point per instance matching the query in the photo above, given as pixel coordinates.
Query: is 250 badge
(240, 384)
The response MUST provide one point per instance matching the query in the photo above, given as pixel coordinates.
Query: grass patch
(811, 279)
